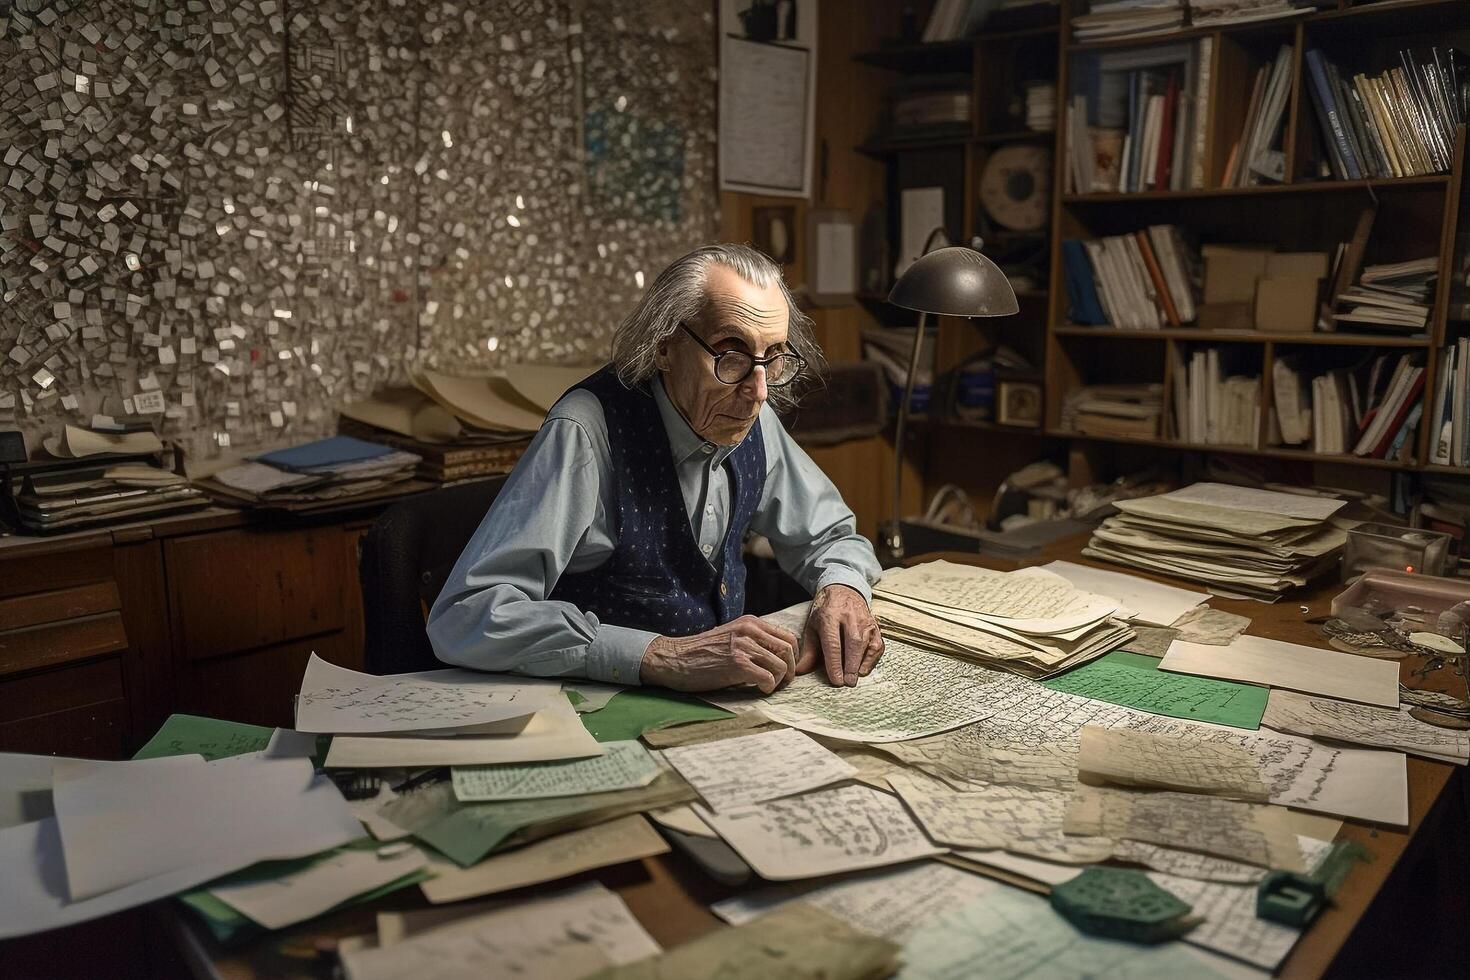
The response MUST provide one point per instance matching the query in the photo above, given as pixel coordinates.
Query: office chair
(406, 557)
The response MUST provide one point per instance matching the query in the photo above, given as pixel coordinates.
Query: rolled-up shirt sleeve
(812, 531)
(494, 612)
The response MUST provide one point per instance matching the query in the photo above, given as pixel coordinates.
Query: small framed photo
(1018, 403)
(774, 232)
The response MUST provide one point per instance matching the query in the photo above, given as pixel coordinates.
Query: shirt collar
(683, 440)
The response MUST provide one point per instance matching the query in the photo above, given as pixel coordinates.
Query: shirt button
(724, 589)
(709, 509)
(708, 449)
(707, 549)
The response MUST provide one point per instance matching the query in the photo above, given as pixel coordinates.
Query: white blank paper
(1275, 663)
(1145, 601)
(278, 902)
(555, 732)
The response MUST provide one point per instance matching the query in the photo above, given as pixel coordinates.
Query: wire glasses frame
(732, 367)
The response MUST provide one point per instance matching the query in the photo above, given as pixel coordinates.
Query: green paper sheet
(632, 713)
(1135, 681)
(209, 737)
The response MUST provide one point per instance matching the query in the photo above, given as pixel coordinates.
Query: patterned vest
(657, 579)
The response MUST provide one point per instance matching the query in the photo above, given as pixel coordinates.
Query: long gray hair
(678, 295)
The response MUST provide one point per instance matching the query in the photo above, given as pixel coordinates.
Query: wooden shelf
(1245, 336)
(1284, 26)
(919, 58)
(1263, 190)
(1015, 136)
(986, 426)
(1270, 452)
(880, 149)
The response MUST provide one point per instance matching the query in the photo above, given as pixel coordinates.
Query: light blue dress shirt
(554, 515)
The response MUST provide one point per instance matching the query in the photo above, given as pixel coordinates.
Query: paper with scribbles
(623, 765)
(827, 832)
(1014, 818)
(335, 700)
(1251, 832)
(1393, 728)
(756, 768)
(1145, 759)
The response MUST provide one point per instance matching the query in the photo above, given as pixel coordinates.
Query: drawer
(56, 570)
(241, 590)
(37, 608)
(53, 644)
(71, 711)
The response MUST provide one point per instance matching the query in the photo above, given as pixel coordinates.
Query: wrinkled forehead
(759, 314)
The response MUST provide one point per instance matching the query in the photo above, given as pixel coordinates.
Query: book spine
(1161, 286)
(1335, 128)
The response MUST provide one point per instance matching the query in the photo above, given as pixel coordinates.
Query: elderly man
(614, 550)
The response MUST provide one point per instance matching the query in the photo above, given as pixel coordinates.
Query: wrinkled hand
(744, 651)
(840, 629)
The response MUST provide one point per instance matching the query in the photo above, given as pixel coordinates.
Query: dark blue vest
(657, 579)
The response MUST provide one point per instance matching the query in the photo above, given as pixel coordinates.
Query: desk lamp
(950, 281)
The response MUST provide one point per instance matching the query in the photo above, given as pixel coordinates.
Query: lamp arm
(895, 539)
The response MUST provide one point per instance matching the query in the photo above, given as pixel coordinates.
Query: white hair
(678, 296)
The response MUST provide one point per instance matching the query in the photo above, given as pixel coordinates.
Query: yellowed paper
(1132, 758)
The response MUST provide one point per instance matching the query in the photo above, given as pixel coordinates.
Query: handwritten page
(889, 902)
(1132, 758)
(1276, 663)
(911, 693)
(756, 768)
(335, 700)
(1392, 728)
(554, 732)
(623, 765)
(1150, 641)
(746, 723)
(180, 812)
(1230, 925)
(1015, 934)
(1135, 681)
(799, 941)
(1250, 832)
(1013, 818)
(1142, 600)
(615, 842)
(1307, 507)
(844, 829)
(212, 738)
(568, 935)
(1212, 627)
(1029, 600)
(277, 902)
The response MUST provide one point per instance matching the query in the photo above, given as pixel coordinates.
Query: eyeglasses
(732, 367)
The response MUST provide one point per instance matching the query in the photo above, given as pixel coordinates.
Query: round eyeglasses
(732, 367)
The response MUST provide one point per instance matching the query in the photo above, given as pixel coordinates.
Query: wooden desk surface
(671, 896)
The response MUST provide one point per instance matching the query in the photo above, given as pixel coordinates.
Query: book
(1442, 415)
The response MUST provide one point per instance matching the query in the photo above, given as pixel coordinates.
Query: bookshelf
(1417, 215)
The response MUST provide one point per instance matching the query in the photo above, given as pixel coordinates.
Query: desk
(671, 896)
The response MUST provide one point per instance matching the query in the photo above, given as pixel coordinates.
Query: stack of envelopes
(1032, 622)
(1242, 542)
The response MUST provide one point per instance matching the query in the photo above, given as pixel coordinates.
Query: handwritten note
(1393, 728)
(212, 738)
(844, 829)
(746, 723)
(615, 842)
(800, 941)
(889, 902)
(1250, 832)
(1024, 821)
(335, 700)
(567, 935)
(623, 765)
(1230, 924)
(1029, 600)
(1212, 627)
(1165, 762)
(1135, 681)
(755, 768)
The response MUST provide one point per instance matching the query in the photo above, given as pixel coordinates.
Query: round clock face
(1015, 187)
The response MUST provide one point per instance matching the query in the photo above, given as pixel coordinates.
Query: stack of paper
(1241, 541)
(438, 718)
(1128, 18)
(328, 469)
(1031, 622)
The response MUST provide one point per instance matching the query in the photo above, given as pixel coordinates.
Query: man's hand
(745, 651)
(841, 630)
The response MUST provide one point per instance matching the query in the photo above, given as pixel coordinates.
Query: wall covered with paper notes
(230, 215)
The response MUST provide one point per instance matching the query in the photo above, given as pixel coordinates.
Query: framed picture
(774, 232)
(1018, 403)
(831, 256)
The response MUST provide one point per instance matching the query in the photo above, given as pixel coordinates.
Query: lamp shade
(955, 281)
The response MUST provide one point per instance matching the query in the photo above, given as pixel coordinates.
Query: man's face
(736, 316)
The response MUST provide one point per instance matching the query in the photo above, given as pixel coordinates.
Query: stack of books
(1399, 123)
(1213, 407)
(315, 474)
(1213, 13)
(1137, 118)
(1130, 411)
(1242, 542)
(951, 20)
(1258, 153)
(1142, 281)
(1128, 18)
(1372, 409)
(931, 106)
(1393, 296)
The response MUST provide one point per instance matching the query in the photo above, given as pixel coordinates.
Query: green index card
(634, 712)
(212, 738)
(1135, 681)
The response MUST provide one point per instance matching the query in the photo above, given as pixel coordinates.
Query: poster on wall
(768, 76)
